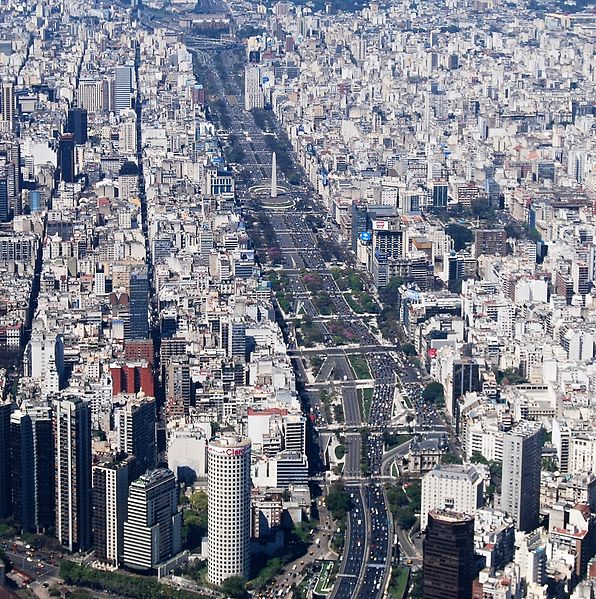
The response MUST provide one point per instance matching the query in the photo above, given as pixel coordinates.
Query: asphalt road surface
(364, 568)
(376, 567)
(353, 444)
(354, 549)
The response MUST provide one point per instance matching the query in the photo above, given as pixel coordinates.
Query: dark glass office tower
(4, 196)
(440, 194)
(139, 305)
(22, 470)
(27, 467)
(35, 200)
(44, 475)
(72, 442)
(5, 491)
(359, 217)
(77, 125)
(449, 566)
(66, 157)
(466, 378)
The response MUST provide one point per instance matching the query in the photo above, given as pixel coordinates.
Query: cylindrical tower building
(229, 508)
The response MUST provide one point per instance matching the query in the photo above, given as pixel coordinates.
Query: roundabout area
(281, 201)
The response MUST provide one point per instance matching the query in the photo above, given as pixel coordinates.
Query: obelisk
(273, 175)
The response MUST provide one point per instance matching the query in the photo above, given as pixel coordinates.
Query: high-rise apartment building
(72, 442)
(388, 238)
(460, 265)
(77, 124)
(10, 158)
(178, 386)
(581, 453)
(139, 304)
(522, 454)
(128, 178)
(490, 242)
(581, 276)
(451, 487)
(136, 434)
(45, 356)
(237, 340)
(253, 90)
(228, 476)
(127, 133)
(294, 426)
(110, 494)
(291, 468)
(90, 95)
(7, 103)
(152, 526)
(123, 78)
(448, 566)
(359, 222)
(465, 378)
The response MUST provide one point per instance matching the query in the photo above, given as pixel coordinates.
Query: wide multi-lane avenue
(366, 559)
(364, 569)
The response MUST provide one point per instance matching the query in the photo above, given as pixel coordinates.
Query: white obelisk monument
(273, 175)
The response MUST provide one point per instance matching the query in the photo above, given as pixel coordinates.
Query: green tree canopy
(122, 585)
(434, 392)
(338, 501)
(235, 586)
(340, 451)
(450, 458)
(408, 349)
(198, 500)
(478, 458)
(461, 235)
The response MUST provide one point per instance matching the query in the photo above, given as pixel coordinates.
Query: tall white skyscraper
(7, 98)
(127, 134)
(122, 88)
(522, 454)
(253, 91)
(228, 508)
(451, 487)
(152, 527)
(110, 491)
(294, 426)
(90, 95)
(45, 351)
